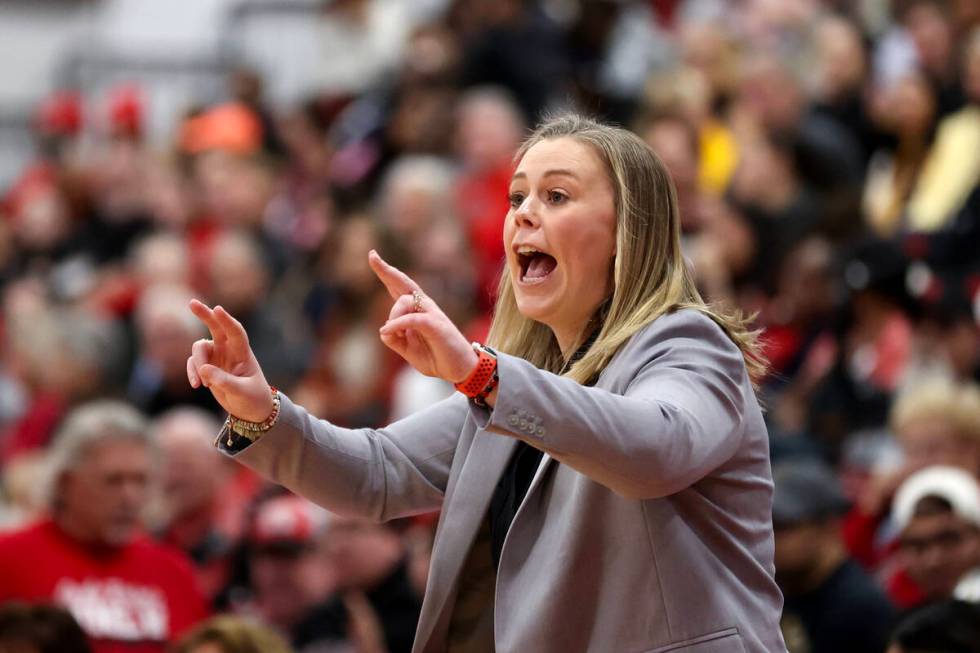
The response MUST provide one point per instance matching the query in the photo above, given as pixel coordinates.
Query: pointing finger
(397, 282)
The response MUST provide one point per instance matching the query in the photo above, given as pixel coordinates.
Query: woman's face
(560, 235)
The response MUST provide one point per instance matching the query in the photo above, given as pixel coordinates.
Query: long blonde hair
(650, 276)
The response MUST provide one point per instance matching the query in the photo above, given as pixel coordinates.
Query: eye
(557, 197)
(515, 199)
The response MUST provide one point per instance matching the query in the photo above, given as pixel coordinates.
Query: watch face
(486, 350)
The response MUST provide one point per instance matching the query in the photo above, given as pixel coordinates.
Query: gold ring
(417, 300)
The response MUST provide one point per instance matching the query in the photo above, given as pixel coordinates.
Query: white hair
(166, 302)
(88, 425)
(187, 422)
(430, 174)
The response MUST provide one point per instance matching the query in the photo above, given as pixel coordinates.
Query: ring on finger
(417, 300)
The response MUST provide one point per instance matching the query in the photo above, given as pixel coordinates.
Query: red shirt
(132, 599)
(483, 204)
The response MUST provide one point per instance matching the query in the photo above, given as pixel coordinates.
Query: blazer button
(512, 419)
(522, 413)
(523, 424)
(541, 431)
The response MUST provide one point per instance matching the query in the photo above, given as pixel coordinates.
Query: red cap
(126, 109)
(288, 519)
(60, 114)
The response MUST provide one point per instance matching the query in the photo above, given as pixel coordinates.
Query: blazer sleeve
(679, 418)
(395, 471)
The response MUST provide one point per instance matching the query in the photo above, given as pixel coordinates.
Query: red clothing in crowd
(483, 204)
(132, 599)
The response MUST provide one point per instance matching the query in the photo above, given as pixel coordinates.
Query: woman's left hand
(419, 331)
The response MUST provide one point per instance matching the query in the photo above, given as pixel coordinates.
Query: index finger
(397, 282)
(206, 315)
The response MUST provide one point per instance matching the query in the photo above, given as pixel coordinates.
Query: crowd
(826, 156)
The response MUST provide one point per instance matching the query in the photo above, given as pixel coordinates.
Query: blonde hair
(232, 634)
(939, 399)
(650, 276)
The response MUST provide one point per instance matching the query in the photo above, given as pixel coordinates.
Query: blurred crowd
(826, 156)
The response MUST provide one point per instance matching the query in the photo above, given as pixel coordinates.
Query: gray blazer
(647, 527)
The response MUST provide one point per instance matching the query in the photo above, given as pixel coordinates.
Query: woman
(611, 490)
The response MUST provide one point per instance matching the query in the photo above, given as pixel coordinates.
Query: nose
(933, 558)
(526, 214)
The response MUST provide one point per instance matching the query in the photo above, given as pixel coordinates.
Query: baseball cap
(288, 522)
(951, 484)
(805, 491)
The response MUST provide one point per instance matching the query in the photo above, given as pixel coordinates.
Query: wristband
(483, 379)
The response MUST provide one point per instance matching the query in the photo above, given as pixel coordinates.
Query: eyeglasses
(944, 540)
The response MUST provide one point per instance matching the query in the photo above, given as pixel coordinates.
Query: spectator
(873, 343)
(127, 592)
(831, 605)
(350, 373)
(946, 342)
(195, 513)
(62, 357)
(945, 627)
(232, 635)
(291, 582)
(675, 140)
(160, 259)
(371, 559)
(164, 332)
(773, 100)
(40, 629)
(937, 513)
(935, 422)
(953, 167)
(517, 46)
(780, 206)
(489, 128)
(909, 113)
(929, 25)
(240, 280)
(840, 73)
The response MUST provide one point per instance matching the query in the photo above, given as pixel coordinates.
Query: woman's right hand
(226, 366)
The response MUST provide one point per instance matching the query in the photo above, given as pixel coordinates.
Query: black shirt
(394, 601)
(848, 613)
(516, 480)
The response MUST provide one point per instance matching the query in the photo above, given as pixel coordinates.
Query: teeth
(524, 250)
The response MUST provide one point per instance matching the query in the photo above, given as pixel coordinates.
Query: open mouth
(535, 265)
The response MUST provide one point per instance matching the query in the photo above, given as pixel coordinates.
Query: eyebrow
(548, 173)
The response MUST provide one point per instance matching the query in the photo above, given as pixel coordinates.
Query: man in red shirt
(127, 592)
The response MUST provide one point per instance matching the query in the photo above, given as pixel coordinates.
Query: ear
(61, 487)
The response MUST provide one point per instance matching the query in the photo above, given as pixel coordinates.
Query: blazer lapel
(465, 508)
(539, 474)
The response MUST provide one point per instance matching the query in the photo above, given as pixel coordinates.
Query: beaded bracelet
(252, 430)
